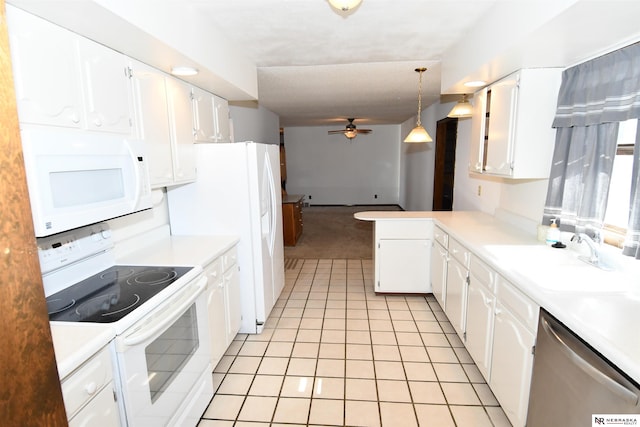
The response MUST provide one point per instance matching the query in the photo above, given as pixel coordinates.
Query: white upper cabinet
(211, 117)
(203, 120)
(107, 88)
(53, 97)
(152, 121)
(221, 116)
(65, 80)
(511, 129)
(179, 97)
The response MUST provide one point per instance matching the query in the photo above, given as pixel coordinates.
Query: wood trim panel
(31, 393)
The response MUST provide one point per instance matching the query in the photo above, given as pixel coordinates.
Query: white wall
(252, 122)
(330, 170)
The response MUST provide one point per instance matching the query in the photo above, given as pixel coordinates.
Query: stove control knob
(106, 234)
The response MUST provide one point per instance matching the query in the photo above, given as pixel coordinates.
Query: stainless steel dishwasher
(572, 382)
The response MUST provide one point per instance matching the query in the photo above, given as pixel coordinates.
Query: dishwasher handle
(595, 373)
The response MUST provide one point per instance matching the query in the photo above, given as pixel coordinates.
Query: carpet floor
(331, 232)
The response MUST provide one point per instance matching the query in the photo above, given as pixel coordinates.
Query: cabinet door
(203, 116)
(511, 364)
(152, 122)
(479, 324)
(403, 265)
(478, 131)
(501, 126)
(106, 87)
(234, 309)
(217, 321)
(46, 71)
(102, 410)
(181, 125)
(221, 115)
(456, 295)
(439, 258)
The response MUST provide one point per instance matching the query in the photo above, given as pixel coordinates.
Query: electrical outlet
(375, 196)
(310, 197)
(479, 190)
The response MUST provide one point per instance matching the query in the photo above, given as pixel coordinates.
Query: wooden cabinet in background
(292, 218)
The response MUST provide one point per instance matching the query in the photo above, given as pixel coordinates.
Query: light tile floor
(333, 353)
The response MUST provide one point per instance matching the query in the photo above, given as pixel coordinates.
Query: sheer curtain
(594, 97)
(631, 244)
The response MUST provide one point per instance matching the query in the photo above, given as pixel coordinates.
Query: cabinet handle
(488, 301)
(498, 311)
(91, 388)
(97, 122)
(75, 118)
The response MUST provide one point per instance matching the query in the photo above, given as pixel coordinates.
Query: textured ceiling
(316, 65)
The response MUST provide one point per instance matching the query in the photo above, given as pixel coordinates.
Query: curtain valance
(603, 90)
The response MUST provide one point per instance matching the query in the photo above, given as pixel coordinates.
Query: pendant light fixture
(344, 5)
(419, 134)
(462, 109)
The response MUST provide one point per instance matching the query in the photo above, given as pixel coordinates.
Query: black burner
(111, 294)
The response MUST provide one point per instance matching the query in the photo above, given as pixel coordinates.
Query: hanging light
(345, 5)
(419, 134)
(462, 109)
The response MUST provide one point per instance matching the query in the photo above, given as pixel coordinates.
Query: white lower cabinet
(456, 288)
(439, 261)
(496, 322)
(223, 303)
(401, 248)
(480, 311)
(514, 337)
(88, 393)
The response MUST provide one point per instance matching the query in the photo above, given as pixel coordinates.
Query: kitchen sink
(560, 270)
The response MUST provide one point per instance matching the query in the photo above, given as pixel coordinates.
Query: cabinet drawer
(482, 273)
(83, 384)
(404, 229)
(440, 236)
(459, 252)
(213, 271)
(522, 307)
(229, 258)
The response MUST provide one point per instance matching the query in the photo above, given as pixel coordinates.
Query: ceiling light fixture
(462, 109)
(184, 71)
(419, 134)
(344, 5)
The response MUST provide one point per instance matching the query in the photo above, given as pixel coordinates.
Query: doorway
(446, 137)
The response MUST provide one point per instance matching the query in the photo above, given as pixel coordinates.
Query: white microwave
(78, 178)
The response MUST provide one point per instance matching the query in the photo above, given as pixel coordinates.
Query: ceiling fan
(350, 130)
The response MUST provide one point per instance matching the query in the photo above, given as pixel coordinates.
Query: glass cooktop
(111, 294)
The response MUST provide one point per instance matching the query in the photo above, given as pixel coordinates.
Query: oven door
(164, 357)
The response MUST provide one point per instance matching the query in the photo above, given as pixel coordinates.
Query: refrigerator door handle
(272, 206)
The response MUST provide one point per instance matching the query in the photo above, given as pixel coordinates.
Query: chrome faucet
(594, 246)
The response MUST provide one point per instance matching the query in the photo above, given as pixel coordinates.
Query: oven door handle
(169, 318)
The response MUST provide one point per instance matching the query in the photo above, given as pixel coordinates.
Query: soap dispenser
(553, 233)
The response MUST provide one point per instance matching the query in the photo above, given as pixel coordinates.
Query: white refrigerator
(237, 192)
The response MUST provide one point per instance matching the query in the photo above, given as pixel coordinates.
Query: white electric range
(157, 314)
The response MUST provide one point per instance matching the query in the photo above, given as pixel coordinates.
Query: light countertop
(602, 307)
(75, 343)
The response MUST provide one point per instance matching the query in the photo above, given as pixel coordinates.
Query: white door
(46, 71)
(456, 296)
(181, 120)
(268, 212)
(439, 259)
(107, 88)
(152, 121)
